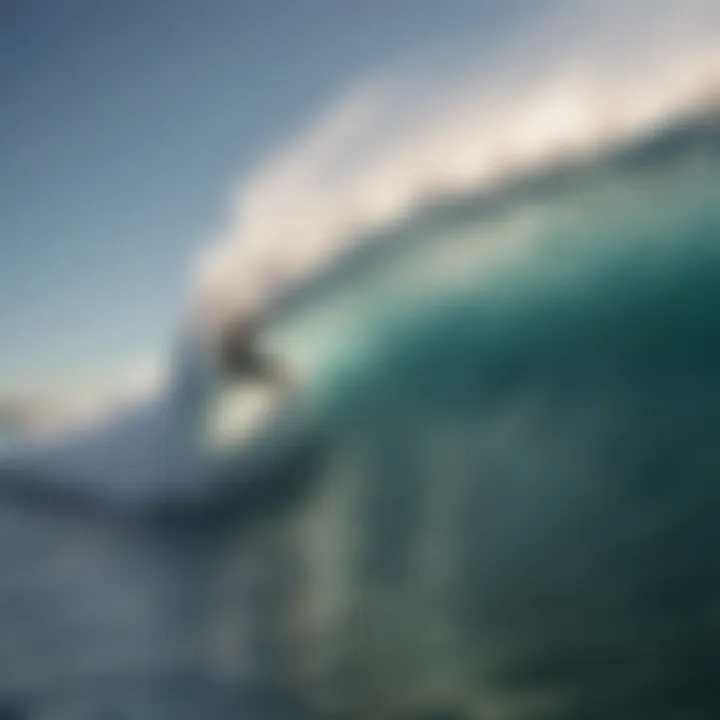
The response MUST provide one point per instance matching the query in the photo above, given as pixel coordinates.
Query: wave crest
(575, 83)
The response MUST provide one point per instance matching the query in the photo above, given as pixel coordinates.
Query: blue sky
(124, 126)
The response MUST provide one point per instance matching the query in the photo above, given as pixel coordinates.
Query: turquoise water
(518, 398)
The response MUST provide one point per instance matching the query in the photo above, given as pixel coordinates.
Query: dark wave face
(518, 511)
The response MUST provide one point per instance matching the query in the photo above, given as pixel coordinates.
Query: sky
(124, 127)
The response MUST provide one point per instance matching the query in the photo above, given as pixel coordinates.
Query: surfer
(240, 356)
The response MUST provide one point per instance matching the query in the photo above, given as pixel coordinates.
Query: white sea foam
(575, 82)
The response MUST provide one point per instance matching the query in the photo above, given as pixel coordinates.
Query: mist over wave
(573, 82)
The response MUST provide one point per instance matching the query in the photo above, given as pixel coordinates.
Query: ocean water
(513, 509)
(494, 494)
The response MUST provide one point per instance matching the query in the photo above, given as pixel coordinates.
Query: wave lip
(572, 89)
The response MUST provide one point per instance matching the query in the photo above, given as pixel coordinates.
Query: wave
(502, 500)
(512, 511)
(505, 504)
